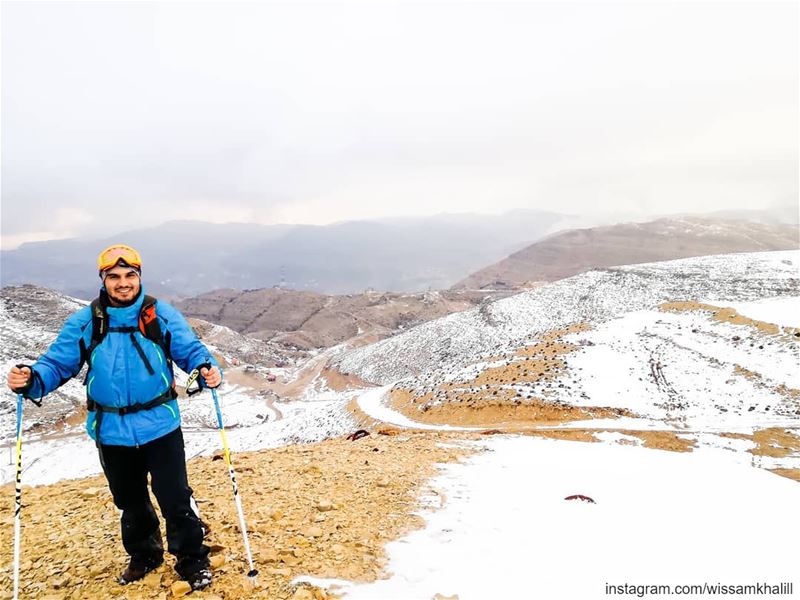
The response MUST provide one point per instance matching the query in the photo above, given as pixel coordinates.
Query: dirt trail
(317, 369)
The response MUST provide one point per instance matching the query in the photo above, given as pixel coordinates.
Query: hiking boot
(138, 568)
(200, 579)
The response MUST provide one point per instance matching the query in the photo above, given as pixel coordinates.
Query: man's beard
(124, 303)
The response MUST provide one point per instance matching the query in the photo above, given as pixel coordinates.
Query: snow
(467, 337)
(660, 518)
(73, 455)
(373, 403)
(784, 311)
(699, 385)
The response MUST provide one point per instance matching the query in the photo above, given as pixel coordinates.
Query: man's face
(122, 284)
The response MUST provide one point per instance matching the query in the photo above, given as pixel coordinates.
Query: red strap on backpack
(146, 316)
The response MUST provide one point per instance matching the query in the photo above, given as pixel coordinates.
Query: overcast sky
(120, 115)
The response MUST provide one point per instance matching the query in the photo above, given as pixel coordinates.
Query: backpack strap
(148, 326)
(151, 329)
(99, 331)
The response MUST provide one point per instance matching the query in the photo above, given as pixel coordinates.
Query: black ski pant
(126, 470)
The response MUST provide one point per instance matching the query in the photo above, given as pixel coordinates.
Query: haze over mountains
(185, 258)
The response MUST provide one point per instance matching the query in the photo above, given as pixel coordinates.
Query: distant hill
(185, 258)
(308, 320)
(571, 252)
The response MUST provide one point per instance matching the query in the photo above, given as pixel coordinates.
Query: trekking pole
(253, 571)
(18, 499)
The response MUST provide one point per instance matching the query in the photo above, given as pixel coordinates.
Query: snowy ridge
(687, 370)
(592, 297)
(30, 319)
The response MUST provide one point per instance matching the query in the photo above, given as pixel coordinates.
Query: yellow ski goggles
(112, 255)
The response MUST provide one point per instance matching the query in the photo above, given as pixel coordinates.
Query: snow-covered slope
(505, 529)
(592, 298)
(30, 319)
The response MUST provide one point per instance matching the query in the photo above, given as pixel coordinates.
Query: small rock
(319, 518)
(384, 482)
(276, 515)
(325, 506)
(303, 594)
(217, 561)
(91, 492)
(180, 589)
(269, 556)
(314, 532)
(97, 570)
(338, 549)
(277, 571)
(289, 559)
(152, 579)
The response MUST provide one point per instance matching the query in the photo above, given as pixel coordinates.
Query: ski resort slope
(505, 529)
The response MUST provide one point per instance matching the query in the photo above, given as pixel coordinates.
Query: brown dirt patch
(793, 474)
(528, 370)
(746, 373)
(729, 315)
(775, 442)
(791, 394)
(570, 435)
(339, 382)
(490, 398)
(662, 440)
(371, 486)
(547, 345)
(467, 409)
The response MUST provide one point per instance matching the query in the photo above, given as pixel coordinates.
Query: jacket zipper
(128, 399)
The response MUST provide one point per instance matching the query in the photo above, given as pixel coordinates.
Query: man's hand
(18, 378)
(211, 376)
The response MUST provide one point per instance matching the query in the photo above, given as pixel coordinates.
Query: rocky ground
(324, 509)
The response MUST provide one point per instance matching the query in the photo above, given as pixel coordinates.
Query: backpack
(148, 326)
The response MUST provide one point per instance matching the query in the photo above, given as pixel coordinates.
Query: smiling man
(129, 340)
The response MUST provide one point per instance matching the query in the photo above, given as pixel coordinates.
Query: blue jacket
(118, 376)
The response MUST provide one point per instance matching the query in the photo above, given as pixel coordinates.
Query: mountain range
(187, 258)
(574, 251)
(184, 258)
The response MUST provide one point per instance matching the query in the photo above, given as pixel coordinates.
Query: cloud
(323, 112)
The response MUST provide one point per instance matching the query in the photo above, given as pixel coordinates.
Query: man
(133, 412)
